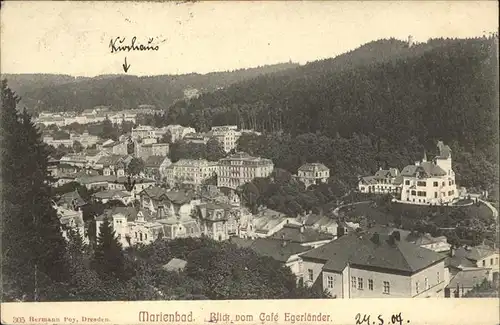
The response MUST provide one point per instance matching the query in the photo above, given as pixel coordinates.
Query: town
(145, 197)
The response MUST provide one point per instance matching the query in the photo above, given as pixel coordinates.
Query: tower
(410, 41)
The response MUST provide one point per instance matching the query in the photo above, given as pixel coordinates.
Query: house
(173, 203)
(241, 168)
(218, 221)
(118, 218)
(265, 223)
(313, 174)
(226, 135)
(430, 182)
(71, 200)
(302, 235)
(190, 171)
(364, 265)
(116, 147)
(283, 251)
(481, 256)
(145, 150)
(100, 182)
(175, 265)
(384, 181)
(109, 195)
(464, 281)
(178, 132)
(425, 240)
(155, 165)
(71, 219)
(138, 184)
(74, 160)
(322, 223)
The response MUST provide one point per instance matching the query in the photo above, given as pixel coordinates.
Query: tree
(166, 138)
(109, 261)
(77, 146)
(135, 166)
(214, 150)
(32, 244)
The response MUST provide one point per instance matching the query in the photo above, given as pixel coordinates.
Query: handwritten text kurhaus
(118, 44)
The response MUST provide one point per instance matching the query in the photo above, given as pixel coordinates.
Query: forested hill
(443, 89)
(63, 93)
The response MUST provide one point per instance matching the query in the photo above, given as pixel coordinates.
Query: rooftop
(292, 232)
(277, 249)
(375, 251)
(468, 278)
(313, 167)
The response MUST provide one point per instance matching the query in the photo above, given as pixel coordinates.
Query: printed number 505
(18, 320)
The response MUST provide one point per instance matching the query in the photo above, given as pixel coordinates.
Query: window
(360, 283)
(353, 282)
(413, 193)
(426, 283)
(417, 287)
(310, 274)
(496, 261)
(330, 282)
(370, 284)
(387, 287)
(421, 183)
(435, 184)
(484, 262)
(407, 182)
(491, 261)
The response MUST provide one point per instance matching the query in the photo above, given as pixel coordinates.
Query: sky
(73, 37)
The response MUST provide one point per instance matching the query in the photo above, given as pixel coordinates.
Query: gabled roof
(364, 250)
(426, 168)
(468, 278)
(158, 193)
(292, 233)
(110, 160)
(277, 249)
(313, 167)
(154, 161)
(475, 253)
(109, 194)
(71, 198)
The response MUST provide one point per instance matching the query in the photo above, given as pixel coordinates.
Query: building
(68, 143)
(190, 171)
(384, 181)
(241, 168)
(464, 281)
(113, 195)
(363, 265)
(283, 251)
(178, 131)
(118, 217)
(116, 147)
(77, 160)
(200, 138)
(146, 150)
(264, 224)
(481, 256)
(430, 182)
(155, 167)
(86, 139)
(226, 135)
(313, 174)
(302, 235)
(172, 203)
(142, 131)
(112, 165)
(218, 221)
(322, 223)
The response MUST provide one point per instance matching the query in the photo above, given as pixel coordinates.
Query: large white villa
(425, 182)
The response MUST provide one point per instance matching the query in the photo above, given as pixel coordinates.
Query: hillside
(63, 93)
(396, 100)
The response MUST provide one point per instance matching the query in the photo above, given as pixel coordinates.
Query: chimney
(452, 251)
(340, 231)
(302, 229)
(375, 238)
(283, 241)
(417, 163)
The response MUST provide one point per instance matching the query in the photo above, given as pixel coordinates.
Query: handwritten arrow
(125, 66)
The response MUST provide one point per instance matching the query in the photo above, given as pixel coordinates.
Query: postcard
(211, 162)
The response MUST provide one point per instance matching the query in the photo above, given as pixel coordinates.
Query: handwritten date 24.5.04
(365, 319)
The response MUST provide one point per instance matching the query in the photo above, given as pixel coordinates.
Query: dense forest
(394, 100)
(66, 93)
